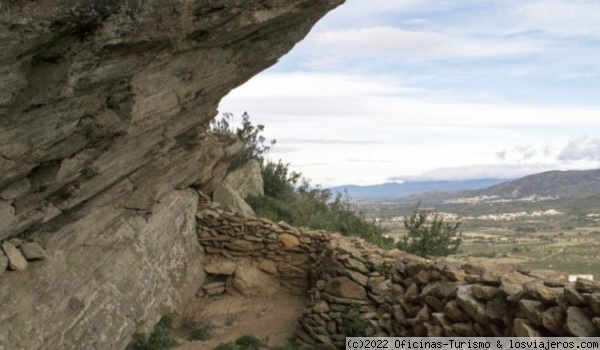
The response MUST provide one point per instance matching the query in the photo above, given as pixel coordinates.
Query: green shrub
(311, 206)
(353, 324)
(279, 181)
(293, 344)
(226, 346)
(429, 235)
(248, 342)
(160, 338)
(196, 329)
(384, 269)
(290, 198)
(247, 133)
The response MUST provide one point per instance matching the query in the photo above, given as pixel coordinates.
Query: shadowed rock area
(103, 111)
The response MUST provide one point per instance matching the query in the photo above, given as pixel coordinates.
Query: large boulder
(105, 277)
(231, 200)
(247, 179)
(252, 281)
(344, 287)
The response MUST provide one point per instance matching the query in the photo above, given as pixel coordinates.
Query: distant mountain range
(395, 190)
(562, 184)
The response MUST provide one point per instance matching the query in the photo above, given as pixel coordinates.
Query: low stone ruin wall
(284, 252)
(398, 294)
(354, 287)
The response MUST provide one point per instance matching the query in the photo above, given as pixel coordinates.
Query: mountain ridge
(554, 183)
(396, 190)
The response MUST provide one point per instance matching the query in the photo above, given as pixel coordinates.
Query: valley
(562, 234)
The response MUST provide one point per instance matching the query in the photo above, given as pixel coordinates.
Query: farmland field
(565, 243)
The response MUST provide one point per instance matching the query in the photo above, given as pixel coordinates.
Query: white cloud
(401, 43)
(382, 40)
(562, 17)
(305, 84)
(417, 21)
(359, 12)
(327, 97)
(581, 148)
(424, 84)
(324, 141)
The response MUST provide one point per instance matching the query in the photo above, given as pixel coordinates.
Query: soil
(273, 318)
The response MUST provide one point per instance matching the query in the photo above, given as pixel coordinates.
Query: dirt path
(274, 318)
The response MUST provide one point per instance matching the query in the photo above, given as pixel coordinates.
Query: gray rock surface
(221, 268)
(103, 112)
(251, 281)
(107, 276)
(246, 180)
(525, 329)
(16, 261)
(579, 324)
(96, 95)
(32, 251)
(230, 199)
(3, 262)
(470, 305)
(344, 287)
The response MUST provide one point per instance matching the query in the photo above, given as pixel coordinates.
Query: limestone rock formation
(247, 179)
(105, 275)
(229, 198)
(96, 94)
(103, 110)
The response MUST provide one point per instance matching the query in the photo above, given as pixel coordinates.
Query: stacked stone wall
(393, 293)
(283, 251)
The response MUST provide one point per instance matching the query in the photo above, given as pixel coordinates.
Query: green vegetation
(293, 344)
(353, 324)
(250, 342)
(247, 133)
(312, 207)
(289, 197)
(160, 338)
(385, 269)
(198, 329)
(429, 235)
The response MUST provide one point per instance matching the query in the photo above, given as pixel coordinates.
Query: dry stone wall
(392, 293)
(283, 251)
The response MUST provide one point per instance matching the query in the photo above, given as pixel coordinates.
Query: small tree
(249, 134)
(279, 180)
(429, 234)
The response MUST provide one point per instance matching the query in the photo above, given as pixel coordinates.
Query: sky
(420, 90)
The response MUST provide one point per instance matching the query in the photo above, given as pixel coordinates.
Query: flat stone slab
(16, 261)
(32, 251)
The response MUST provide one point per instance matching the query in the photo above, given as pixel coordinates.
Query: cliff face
(103, 108)
(106, 92)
